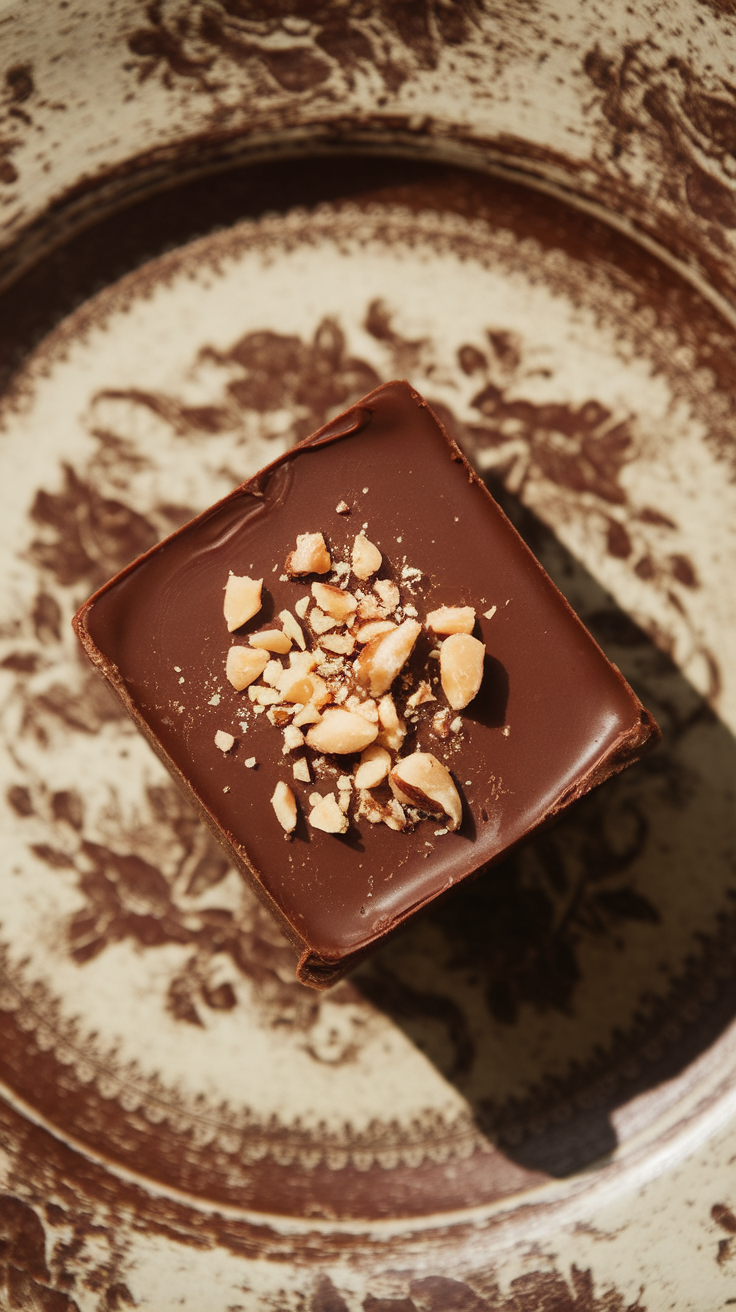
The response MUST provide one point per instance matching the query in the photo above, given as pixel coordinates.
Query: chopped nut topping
(293, 738)
(370, 608)
(342, 508)
(368, 709)
(301, 607)
(340, 643)
(421, 780)
(224, 740)
(393, 730)
(292, 629)
(341, 732)
(393, 815)
(295, 685)
(271, 640)
(250, 763)
(334, 601)
(243, 665)
(382, 657)
(461, 668)
(310, 557)
(284, 804)
(366, 558)
(373, 629)
(451, 619)
(423, 694)
(273, 672)
(300, 771)
(320, 622)
(375, 763)
(263, 696)
(309, 715)
(328, 817)
(242, 600)
(441, 724)
(388, 592)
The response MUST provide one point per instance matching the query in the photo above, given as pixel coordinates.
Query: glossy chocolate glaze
(553, 717)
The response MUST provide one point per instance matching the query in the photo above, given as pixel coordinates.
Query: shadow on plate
(596, 962)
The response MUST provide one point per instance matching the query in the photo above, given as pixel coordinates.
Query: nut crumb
(301, 607)
(242, 600)
(488, 614)
(250, 763)
(300, 770)
(366, 557)
(342, 508)
(225, 741)
(310, 556)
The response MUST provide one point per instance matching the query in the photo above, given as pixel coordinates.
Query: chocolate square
(553, 718)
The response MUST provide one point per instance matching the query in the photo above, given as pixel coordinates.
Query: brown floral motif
(529, 1293)
(696, 121)
(24, 1274)
(298, 52)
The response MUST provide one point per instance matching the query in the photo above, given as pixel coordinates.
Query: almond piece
(263, 696)
(334, 601)
(320, 622)
(328, 817)
(461, 668)
(304, 661)
(451, 619)
(301, 607)
(271, 640)
(423, 694)
(242, 600)
(382, 658)
(300, 770)
(339, 643)
(292, 629)
(310, 557)
(293, 738)
(308, 715)
(243, 665)
(370, 608)
(393, 730)
(341, 732)
(388, 592)
(366, 557)
(375, 763)
(421, 780)
(284, 804)
(272, 673)
(373, 629)
(224, 740)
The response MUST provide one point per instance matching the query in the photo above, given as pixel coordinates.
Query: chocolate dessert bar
(362, 677)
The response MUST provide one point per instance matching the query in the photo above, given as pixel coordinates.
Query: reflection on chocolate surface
(552, 718)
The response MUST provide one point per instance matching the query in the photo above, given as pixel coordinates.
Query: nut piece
(461, 668)
(421, 780)
(308, 715)
(243, 665)
(375, 763)
(393, 730)
(373, 629)
(293, 738)
(300, 770)
(224, 740)
(271, 640)
(388, 592)
(423, 694)
(334, 601)
(328, 817)
(310, 557)
(320, 622)
(366, 557)
(242, 600)
(451, 619)
(284, 804)
(382, 657)
(341, 732)
(292, 629)
(341, 644)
